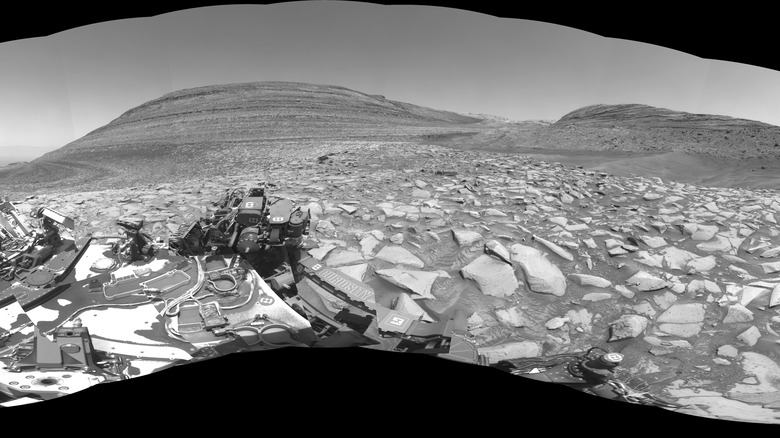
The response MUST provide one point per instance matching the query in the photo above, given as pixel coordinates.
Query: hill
(233, 127)
(249, 128)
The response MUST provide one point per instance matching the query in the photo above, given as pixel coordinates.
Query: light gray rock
(626, 292)
(358, 272)
(702, 264)
(676, 258)
(406, 304)
(728, 351)
(512, 317)
(704, 232)
(397, 238)
(556, 323)
(770, 268)
(493, 276)
(554, 248)
(738, 313)
(627, 326)
(774, 300)
(466, 237)
(774, 252)
(511, 350)
(750, 336)
(399, 255)
(418, 282)
(683, 313)
(749, 293)
(474, 322)
(646, 282)
(645, 308)
(664, 300)
(541, 275)
(322, 251)
(558, 220)
(418, 193)
(494, 212)
(681, 330)
(344, 257)
(348, 208)
(495, 248)
(368, 244)
(653, 241)
(589, 280)
(597, 296)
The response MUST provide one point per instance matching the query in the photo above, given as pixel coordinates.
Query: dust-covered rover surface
(114, 307)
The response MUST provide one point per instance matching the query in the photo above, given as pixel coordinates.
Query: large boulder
(493, 276)
(541, 275)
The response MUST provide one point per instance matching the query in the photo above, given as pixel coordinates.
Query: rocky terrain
(546, 257)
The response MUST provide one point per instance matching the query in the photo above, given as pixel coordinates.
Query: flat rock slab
(418, 282)
(511, 350)
(750, 293)
(676, 258)
(399, 255)
(702, 264)
(344, 257)
(654, 241)
(541, 275)
(597, 296)
(589, 280)
(738, 313)
(368, 244)
(407, 304)
(493, 276)
(681, 330)
(322, 251)
(683, 313)
(466, 237)
(770, 268)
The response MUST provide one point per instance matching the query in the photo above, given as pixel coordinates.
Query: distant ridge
(638, 114)
(240, 128)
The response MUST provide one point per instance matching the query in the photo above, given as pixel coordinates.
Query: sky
(58, 88)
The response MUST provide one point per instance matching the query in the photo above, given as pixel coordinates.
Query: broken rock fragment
(466, 237)
(627, 326)
(541, 275)
(589, 280)
(646, 282)
(493, 276)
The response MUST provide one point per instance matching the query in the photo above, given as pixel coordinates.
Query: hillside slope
(232, 127)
